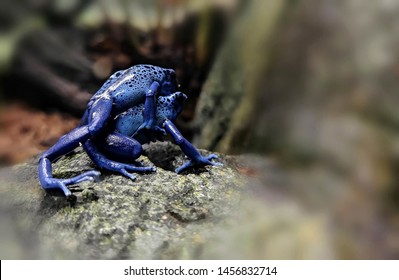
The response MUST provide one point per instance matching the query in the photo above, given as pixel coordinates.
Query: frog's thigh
(99, 114)
(119, 147)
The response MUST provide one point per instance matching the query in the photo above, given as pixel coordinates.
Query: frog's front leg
(196, 159)
(120, 149)
(98, 116)
(149, 114)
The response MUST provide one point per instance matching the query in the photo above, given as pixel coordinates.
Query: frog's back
(128, 87)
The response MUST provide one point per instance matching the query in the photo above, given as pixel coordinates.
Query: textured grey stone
(238, 211)
(160, 215)
(252, 208)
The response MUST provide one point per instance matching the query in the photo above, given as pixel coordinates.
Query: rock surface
(251, 208)
(151, 217)
(208, 213)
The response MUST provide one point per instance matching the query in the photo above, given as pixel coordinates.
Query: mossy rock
(205, 213)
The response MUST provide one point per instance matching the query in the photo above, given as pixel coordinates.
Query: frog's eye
(171, 74)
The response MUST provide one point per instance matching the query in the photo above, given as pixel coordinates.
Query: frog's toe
(140, 169)
(50, 184)
(211, 156)
(201, 161)
(185, 166)
(65, 190)
(87, 176)
(152, 169)
(216, 163)
(127, 174)
(125, 170)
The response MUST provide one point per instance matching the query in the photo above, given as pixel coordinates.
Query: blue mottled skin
(128, 87)
(133, 107)
(167, 107)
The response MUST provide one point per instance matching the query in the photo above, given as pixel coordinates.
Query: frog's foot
(124, 168)
(198, 162)
(61, 184)
(114, 166)
(147, 127)
(159, 129)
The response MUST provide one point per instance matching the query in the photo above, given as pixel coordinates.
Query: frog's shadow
(169, 157)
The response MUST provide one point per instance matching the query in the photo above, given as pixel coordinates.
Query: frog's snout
(181, 97)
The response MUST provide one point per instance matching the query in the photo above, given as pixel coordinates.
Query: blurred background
(311, 86)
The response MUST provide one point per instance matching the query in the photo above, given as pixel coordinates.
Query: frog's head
(171, 106)
(169, 82)
(178, 98)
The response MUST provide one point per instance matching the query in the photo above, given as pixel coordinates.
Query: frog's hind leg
(64, 145)
(85, 118)
(96, 119)
(112, 152)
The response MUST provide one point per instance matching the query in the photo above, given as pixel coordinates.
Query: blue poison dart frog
(133, 107)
